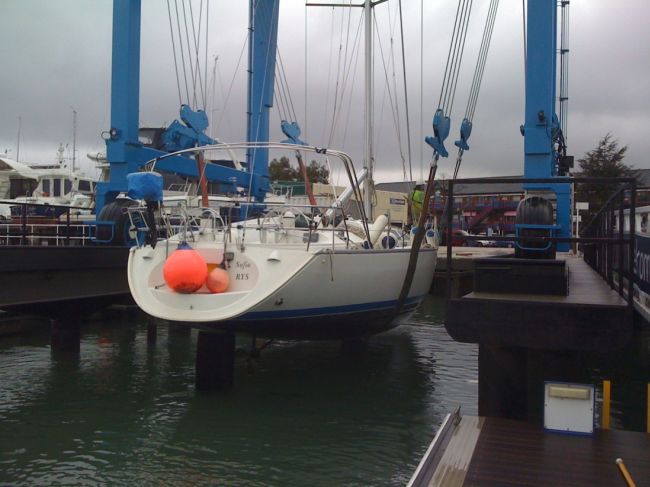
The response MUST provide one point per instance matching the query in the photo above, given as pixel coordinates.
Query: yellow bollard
(625, 473)
(607, 397)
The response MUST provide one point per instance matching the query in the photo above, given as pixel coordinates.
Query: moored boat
(293, 271)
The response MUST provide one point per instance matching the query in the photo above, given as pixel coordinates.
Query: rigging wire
(354, 55)
(329, 70)
(234, 76)
(421, 135)
(356, 52)
(342, 59)
(205, 63)
(392, 100)
(406, 99)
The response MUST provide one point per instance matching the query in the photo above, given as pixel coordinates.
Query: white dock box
(569, 408)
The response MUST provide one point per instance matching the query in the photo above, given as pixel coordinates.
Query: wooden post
(607, 396)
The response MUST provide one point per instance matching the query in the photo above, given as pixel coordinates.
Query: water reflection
(305, 414)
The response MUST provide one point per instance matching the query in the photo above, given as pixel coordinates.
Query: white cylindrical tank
(377, 228)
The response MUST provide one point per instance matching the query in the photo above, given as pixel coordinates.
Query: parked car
(457, 240)
(510, 244)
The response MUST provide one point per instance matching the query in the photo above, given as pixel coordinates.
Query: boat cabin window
(67, 186)
(84, 185)
(21, 187)
(45, 187)
(56, 191)
(644, 223)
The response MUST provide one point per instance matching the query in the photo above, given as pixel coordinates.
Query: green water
(122, 412)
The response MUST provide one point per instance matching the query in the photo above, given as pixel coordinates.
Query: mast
(368, 125)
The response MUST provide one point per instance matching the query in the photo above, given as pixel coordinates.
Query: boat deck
(489, 452)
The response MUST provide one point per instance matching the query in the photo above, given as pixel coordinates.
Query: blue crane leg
(539, 159)
(125, 99)
(261, 76)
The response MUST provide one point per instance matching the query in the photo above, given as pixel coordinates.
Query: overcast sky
(56, 57)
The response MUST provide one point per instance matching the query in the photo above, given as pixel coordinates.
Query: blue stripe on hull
(329, 311)
(348, 322)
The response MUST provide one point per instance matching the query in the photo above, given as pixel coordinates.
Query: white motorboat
(290, 272)
(43, 185)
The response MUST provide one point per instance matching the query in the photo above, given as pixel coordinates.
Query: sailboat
(283, 270)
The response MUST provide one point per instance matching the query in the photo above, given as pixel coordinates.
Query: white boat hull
(288, 290)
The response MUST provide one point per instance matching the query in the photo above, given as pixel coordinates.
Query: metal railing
(615, 263)
(44, 224)
(604, 243)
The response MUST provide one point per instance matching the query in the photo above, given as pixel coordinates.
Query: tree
(605, 161)
(317, 173)
(281, 170)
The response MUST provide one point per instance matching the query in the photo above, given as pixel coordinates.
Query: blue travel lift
(126, 154)
(542, 137)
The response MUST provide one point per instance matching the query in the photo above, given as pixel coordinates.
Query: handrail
(597, 239)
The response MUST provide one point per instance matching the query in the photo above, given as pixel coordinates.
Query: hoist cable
(180, 41)
(285, 80)
(197, 64)
(454, 55)
(482, 58)
(444, 77)
(171, 32)
(189, 57)
(458, 48)
(460, 59)
(478, 73)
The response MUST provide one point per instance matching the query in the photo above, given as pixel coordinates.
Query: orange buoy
(185, 270)
(218, 280)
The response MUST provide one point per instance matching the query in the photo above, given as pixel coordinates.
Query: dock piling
(215, 361)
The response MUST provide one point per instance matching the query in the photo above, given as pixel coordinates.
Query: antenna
(20, 122)
(74, 137)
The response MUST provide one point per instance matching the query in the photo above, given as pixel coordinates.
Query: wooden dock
(591, 316)
(489, 452)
